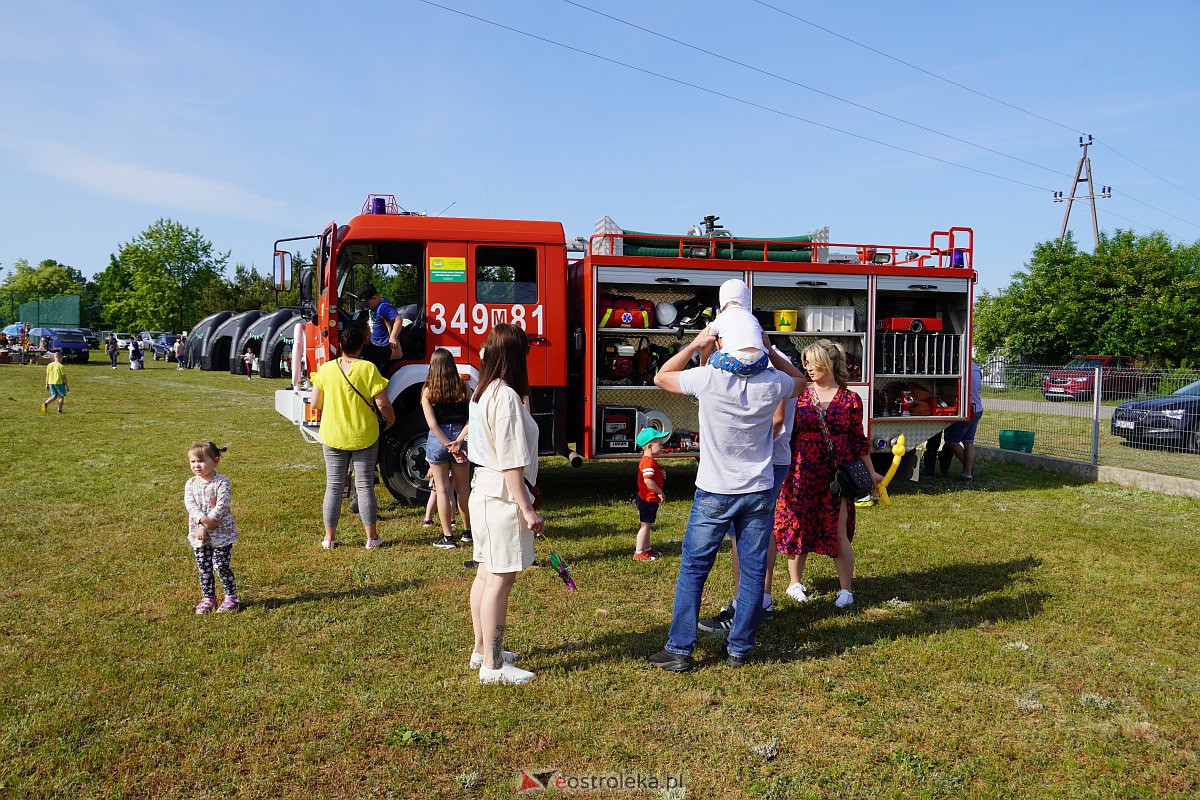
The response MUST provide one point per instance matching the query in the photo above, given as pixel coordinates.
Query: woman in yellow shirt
(343, 390)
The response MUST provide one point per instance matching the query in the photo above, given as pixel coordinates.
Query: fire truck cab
(600, 325)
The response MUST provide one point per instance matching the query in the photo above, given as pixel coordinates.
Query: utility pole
(1084, 168)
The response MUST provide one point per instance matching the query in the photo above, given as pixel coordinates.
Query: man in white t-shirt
(733, 488)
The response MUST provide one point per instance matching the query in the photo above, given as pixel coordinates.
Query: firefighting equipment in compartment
(910, 399)
(618, 361)
(945, 407)
(911, 324)
(624, 312)
(665, 315)
(650, 418)
(628, 364)
(618, 428)
(656, 357)
(694, 313)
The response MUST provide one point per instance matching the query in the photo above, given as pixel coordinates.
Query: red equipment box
(910, 324)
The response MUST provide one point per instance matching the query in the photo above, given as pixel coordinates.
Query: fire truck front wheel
(402, 459)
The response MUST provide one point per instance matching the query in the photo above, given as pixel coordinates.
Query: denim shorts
(435, 451)
(961, 432)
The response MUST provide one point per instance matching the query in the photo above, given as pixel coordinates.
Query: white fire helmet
(665, 314)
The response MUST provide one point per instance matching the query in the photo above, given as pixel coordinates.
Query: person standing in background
(56, 382)
(960, 437)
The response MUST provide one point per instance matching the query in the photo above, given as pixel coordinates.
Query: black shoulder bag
(378, 414)
(852, 479)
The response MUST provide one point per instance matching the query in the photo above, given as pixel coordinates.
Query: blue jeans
(751, 516)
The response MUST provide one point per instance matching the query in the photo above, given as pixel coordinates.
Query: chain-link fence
(1103, 412)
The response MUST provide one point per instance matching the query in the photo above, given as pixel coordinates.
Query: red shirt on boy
(649, 468)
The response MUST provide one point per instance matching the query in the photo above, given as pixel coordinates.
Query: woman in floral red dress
(809, 517)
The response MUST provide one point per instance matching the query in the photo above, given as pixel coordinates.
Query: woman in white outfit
(504, 448)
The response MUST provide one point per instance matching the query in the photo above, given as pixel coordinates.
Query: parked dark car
(1170, 420)
(90, 336)
(1120, 379)
(71, 342)
(164, 346)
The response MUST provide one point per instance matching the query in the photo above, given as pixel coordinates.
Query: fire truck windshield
(393, 267)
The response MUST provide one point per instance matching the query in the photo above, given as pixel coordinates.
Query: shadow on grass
(946, 598)
(361, 591)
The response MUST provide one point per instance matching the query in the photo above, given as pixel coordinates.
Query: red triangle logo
(529, 784)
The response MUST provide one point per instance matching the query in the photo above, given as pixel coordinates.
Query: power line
(1127, 219)
(914, 66)
(821, 92)
(1155, 174)
(1156, 208)
(980, 94)
(726, 96)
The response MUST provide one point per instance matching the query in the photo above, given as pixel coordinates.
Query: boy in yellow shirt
(56, 382)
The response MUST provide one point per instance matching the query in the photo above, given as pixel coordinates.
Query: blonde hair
(209, 449)
(829, 356)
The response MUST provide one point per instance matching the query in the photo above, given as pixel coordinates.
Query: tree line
(167, 278)
(1135, 295)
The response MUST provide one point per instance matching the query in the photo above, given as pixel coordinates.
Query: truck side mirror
(283, 270)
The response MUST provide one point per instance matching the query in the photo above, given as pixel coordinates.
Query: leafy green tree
(1136, 295)
(24, 283)
(170, 267)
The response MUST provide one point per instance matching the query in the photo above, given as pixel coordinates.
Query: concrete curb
(1133, 479)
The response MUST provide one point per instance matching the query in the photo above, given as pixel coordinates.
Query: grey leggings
(337, 464)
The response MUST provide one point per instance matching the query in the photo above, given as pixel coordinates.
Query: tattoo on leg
(498, 646)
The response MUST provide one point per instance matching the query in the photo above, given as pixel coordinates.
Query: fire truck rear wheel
(402, 459)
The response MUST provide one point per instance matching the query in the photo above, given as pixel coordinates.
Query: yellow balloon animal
(898, 451)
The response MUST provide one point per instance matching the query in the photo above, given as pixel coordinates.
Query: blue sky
(255, 121)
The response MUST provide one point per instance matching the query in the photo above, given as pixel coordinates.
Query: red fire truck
(602, 314)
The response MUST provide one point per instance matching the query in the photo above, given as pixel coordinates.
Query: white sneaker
(374, 544)
(328, 545)
(844, 599)
(797, 592)
(477, 658)
(506, 674)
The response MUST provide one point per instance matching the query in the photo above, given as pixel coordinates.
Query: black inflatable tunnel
(235, 328)
(260, 336)
(277, 349)
(215, 355)
(197, 338)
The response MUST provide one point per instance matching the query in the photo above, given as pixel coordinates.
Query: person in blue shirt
(385, 327)
(385, 320)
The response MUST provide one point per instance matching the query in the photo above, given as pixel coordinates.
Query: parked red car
(1074, 381)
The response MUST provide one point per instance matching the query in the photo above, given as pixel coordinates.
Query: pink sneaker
(206, 605)
(229, 604)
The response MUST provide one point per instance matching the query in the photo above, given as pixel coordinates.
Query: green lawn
(1028, 637)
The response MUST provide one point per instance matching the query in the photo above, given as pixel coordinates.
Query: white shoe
(797, 592)
(328, 545)
(506, 674)
(374, 544)
(844, 599)
(477, 658)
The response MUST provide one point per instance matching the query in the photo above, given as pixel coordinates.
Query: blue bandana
(723, 361)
